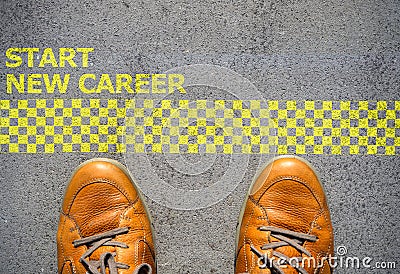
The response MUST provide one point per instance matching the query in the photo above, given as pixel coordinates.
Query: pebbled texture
(101, 197)
(287, 194)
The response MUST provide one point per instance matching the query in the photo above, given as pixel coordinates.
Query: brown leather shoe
(104, 226)
(285, 219)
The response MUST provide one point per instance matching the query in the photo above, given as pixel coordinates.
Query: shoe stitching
(327, 218)
(252, 259)
(245, 235)
(322, 213)
(144, 234)
(330, 238)
(74, 221)
(251, 266)
(119, 225)
(63, 267)
(314, 222)
(132, 206)
(72, 267)
(122, 216)
(262, 209)
(247, 240)
(245, 232)
(61, 240)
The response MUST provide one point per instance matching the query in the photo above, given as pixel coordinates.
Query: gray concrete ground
(327, 50)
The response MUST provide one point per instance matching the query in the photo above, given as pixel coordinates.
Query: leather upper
(101, 197)
(287, 194)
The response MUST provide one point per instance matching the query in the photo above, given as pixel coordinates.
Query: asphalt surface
(290, 50)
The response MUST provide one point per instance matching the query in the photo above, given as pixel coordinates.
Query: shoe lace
(107, 259)
(287, 238)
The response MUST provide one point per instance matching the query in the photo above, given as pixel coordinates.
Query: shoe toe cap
(100, 175)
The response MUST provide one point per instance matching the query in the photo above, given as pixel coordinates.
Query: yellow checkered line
(199, 126)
